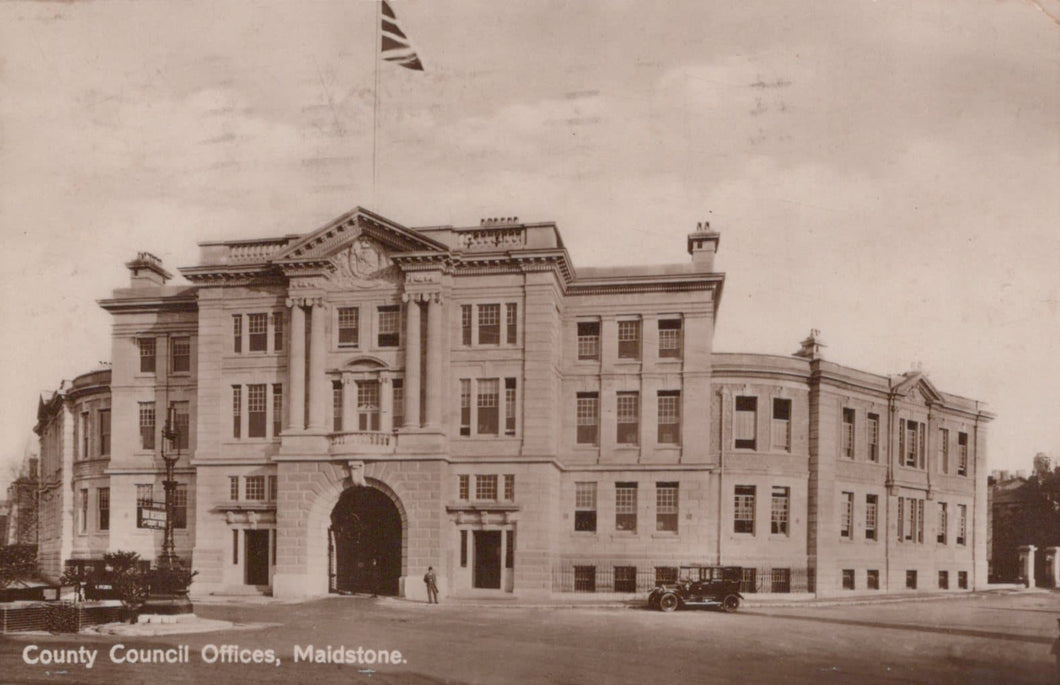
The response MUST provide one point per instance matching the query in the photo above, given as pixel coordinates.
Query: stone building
(365, 400)
(22, 515)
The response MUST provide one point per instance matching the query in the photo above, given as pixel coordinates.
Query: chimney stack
(146, 271)
(703, 245)
(811, 346)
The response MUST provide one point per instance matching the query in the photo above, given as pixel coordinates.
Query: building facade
(366, 400)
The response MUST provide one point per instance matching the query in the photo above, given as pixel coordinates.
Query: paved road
(998, 639)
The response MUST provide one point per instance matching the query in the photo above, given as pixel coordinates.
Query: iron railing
(640, 577)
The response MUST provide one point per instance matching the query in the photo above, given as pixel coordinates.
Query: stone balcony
(361, 442)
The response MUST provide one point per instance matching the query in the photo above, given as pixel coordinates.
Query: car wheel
(730, 604)
(669, 602)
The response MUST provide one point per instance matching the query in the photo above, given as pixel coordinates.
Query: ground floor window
(848, 579)
(872, 579)
(509, 550)
(665, 574)
(585, 579)
(625, 579)
(944, 580)
(749, 580)
(780, 580)
(910, 580)
(962, 580)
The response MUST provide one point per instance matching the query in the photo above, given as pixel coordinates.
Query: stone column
(318, 391)
(386, 404)
(296, 369)
(435, 344)
(1027, 564)
(1052, 555)
(412, 362)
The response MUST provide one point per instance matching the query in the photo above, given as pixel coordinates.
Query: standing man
(431, 581)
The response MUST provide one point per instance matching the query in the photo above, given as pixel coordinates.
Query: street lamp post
(171, 434)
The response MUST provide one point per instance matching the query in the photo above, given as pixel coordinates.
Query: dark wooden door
(256, 568)
(488, 559)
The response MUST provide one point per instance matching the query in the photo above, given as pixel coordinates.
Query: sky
(885, 171)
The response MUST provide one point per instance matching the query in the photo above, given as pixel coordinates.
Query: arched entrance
(364, 543)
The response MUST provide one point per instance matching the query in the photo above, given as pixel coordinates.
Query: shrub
(17, 562)
(124, 571)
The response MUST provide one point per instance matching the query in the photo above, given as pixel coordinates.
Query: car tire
(669, 602)
(730, 604)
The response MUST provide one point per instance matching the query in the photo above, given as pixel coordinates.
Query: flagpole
(378, 49)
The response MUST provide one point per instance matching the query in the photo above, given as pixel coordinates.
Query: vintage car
(700, 586)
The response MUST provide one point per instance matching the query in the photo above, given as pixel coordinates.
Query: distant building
(364, 400)
(22, 505)
(1013, 522)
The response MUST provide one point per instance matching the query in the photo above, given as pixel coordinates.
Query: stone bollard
(1027, 564)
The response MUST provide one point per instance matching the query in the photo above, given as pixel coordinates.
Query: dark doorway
(366, 543)
(488, 559)
(256, 566)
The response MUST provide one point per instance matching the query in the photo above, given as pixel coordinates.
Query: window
(962, 523)
(147, 425)
(846, 525)
(588, 417)
(144, 498)
(463, 489)
(625, 579)
(179, 411)
(277, 409)
(512, 321)
(85, 435)
(463, 549)
(83, 502)
(180, 506)
(255, 488)
(104, 431)
(626, 506)
(944, 450)
(744, 514)
(277, 336)
(665, 574)
(848, 579)
(944, 580)
(666, 507)
(588, 340)
(147, 354)
(669, 338)
(509, 487)
(910, 519)
(669, 416)
(585, 507)
(336, 406)
(348, 320)
(486, 488)
(465, 406)
(488, 391)
(911, 443)
(848, 432)
(237, 333)
(237, 411)
(782, 424)
(509, 549)
(942, 523)
(910, 579)
(871, 514)
(258, 328)
(585, 579)
(273, 488)
(465, 324)
(872, 579)
(628, 418)
(397, 386)
(749, 580)
(780, 580)
(367, 405)
(781, 506)
(103, 508)
(873, 429)
(235, 546)
(489, 324)
(629, 339)
(962, 580)
(509, 406)
(180, 350)
(962, 454)
(256, 411)
(390, 325)
(745, 422)
(233, 488)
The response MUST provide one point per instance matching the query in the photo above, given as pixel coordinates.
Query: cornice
(186, 302)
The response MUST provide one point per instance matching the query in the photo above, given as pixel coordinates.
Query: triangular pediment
(916, 386)
(358, 227)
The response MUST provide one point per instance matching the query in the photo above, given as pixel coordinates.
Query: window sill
(778, 536)
(666, 535)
